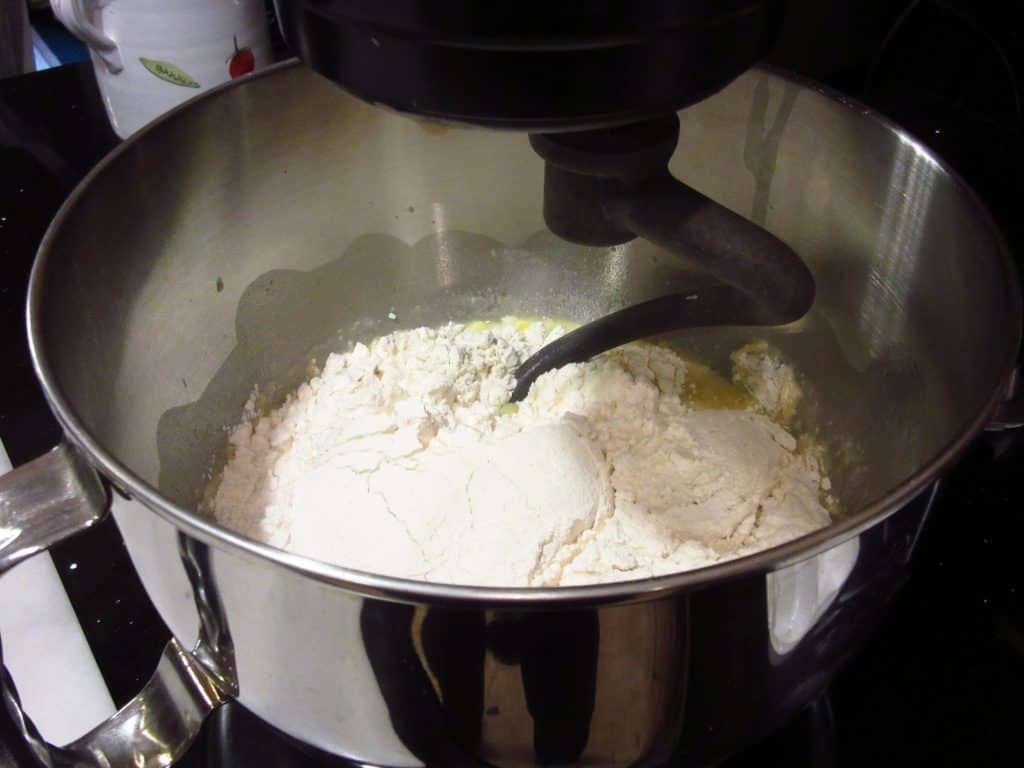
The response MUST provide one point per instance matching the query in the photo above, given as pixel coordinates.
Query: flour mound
(403, 458)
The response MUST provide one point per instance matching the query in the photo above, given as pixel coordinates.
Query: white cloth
(46, 652)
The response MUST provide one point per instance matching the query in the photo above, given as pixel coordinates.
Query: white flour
(403, 458)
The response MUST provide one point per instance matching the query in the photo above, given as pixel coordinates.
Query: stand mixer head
(597, 85)
(533, 65)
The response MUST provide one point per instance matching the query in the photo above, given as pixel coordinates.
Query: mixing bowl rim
(130, 485)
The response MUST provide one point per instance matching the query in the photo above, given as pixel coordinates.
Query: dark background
(941, 683)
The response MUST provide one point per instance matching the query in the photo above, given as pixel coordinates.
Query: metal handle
(76, 17)
(42, 503)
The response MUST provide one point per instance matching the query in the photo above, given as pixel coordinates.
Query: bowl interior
(277, 220)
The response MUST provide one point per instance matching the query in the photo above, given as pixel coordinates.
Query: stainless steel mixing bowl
(227, 244)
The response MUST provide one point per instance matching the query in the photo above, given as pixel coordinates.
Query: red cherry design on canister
(241, 62)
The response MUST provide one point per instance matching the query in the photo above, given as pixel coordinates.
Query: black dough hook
(608, 186)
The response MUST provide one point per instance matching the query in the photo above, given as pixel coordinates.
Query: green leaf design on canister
(167, 71)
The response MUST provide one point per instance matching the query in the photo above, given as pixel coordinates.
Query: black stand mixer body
(531, 66)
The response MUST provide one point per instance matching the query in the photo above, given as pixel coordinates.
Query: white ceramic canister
(150, 55)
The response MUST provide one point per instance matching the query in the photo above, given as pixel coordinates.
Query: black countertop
(939, 684)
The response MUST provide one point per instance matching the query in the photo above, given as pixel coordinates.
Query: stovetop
(939, 683)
